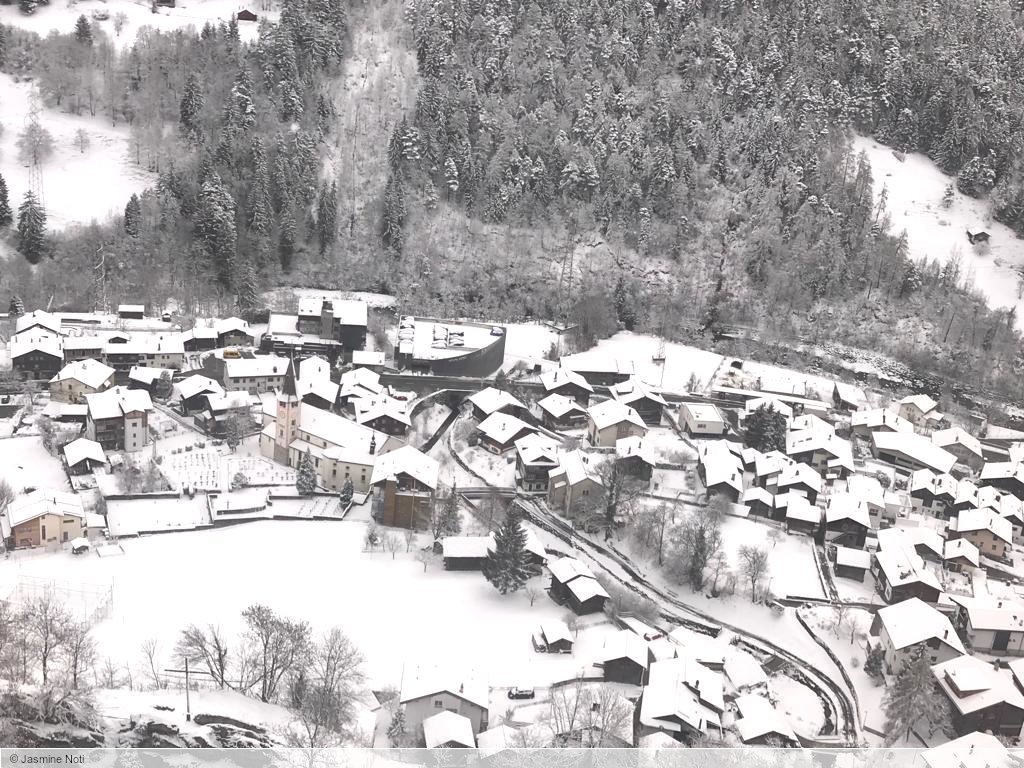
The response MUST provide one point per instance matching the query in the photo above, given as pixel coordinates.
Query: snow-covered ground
(78, 187)
(915, 187)
(61, 16)
(26, 464)
(285, 299)
(791, 569)
(530, 344)
(393, 611)
(497, 470)
(799, 704)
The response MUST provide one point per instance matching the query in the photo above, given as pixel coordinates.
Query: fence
(90, 603)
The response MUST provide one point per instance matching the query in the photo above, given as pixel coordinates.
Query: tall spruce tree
(765, 429)
(16, 308)
(327, 215)
(83, 31)
(215, 225)
(305, 476)
(394, 214)
(6, 214)
(261, 207)
(913, 699)
(191, 106)
(506, 566)
(31, 228)
(133, 216)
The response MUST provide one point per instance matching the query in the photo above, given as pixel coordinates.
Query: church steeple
(289, 381)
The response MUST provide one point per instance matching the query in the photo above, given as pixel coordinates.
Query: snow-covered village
(505, 377)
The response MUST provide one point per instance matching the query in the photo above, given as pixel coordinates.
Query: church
(340, 448)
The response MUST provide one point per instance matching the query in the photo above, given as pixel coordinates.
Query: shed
(246, 15)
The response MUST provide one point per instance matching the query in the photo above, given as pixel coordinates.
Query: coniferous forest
(664, 166)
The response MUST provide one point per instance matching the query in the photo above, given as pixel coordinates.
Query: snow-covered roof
(118, 401)
(626, 644)
(706, 413)
(360, 382)
(721, 465)
(228, 324)
(145, 344)
(849, 557)
(972, 684)
(82, 449)
(922, 403)
(258, 366)
(743, 670)
(447, 729)
(555, 631)
(502, 427)
(314, 377)
(55, 409)
(536, 448)
(769, 403)
(632, 389)
(944, 438)
(685, 672)
(576, 466)
(800, 509)
(369, 408)
(969, 520)
(135, 308)
(420, 680)
(975, 750)
(757, 493)
(199, 332)
(44, 502)
(465, 546)
(913, 621)
(904, 566)
(345, 311)
(846, 506)
(798, 473)
(91, 373)
(910, 537)
(705, 648)
(491, 400)
(867, 489)
(758, 718)
(497, 739)
(878, 419)
(850, 394)
(145, 375)
(926, 481)
(559, 377)
(560, 405)
(991, 613)
(565, 569)
(194, 385)
(336, 430)
(634, 445)
(35, 341)
(406, 460)
(219, 402)
(37, 318)
(367, 357)
(957, 548)
(916, 448)
(611, 412)
(1003, 470)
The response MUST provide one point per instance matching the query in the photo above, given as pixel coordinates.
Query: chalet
(1005, 475)
(536, 457)
(990, 625)
(847, 397)
(200, 338)
(233, 332)
(71, 413)
(406, 480)
(869, 490)
(82, 456)
(155, 350)
(499, 432)
(720, 470)
(931, 493)
(554, 637)
(428, 690)
(767, 467)
(567, 383)
(626, 658)
(118, 419)
(82, 348)
(575, 482)
(962, 444)
(131, 311)
(709, 651)
(78, 379)
(314, 386)
(758, 501)
(799, 478)
(246, 15)
(744, 672)
(634, 458)
(900, 574)
(768, 403)
(221, 409)
(759, 723)
(801, 515)
(921, 540)
(960, 555)
(610, 421)
(978, 237)
(39, 321)
(561, 412)
(682, 698)
(465, 553)
(702, 420)
(851, 563)
(42, 517)
(357, 384)
(599, 369)
(254, 375)
(847, 520)
(822, 450)
(448, 730)
(489, 401)
(864, 423)
(910, 451)
(986, 530)
(900, 629)
(145, 378)
(648, 404)
(36, 355)
(574, 584)
(190, 393)
(921, 411)
(370, 360)
(983, 697)
(384, 414)
(976, 750)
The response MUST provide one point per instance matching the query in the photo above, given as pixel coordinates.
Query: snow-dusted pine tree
(6, 214)
(83, 31)
(345, 496)
(191, 105)
(133, 216)
(31, 228)
(913, 699)
(16, 309)
(305, 479)
(506, 566)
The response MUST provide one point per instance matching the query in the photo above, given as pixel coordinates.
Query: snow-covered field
(393, 611)
(61, 16)
(791, 568)
(78, 187)
(915, 187)
(26, 464)
(285, 299)
(529, 343)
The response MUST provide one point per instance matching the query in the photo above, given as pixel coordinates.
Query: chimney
(373, 444)
(945, 634)
(999, 604)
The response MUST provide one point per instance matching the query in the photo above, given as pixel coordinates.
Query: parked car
(521, 693)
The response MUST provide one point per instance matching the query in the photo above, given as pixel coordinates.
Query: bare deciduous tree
(209, 647)
(392, 543)
(427, 557)
(151, 654)
(46, 621)
(277, 644)
(79, 651)
(753, 566)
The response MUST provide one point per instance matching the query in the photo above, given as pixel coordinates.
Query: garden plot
(164, 583)
(26, 464)
(78, 187)
(915, 188)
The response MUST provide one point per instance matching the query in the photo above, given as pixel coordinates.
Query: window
(42, 532)
(438, 704)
